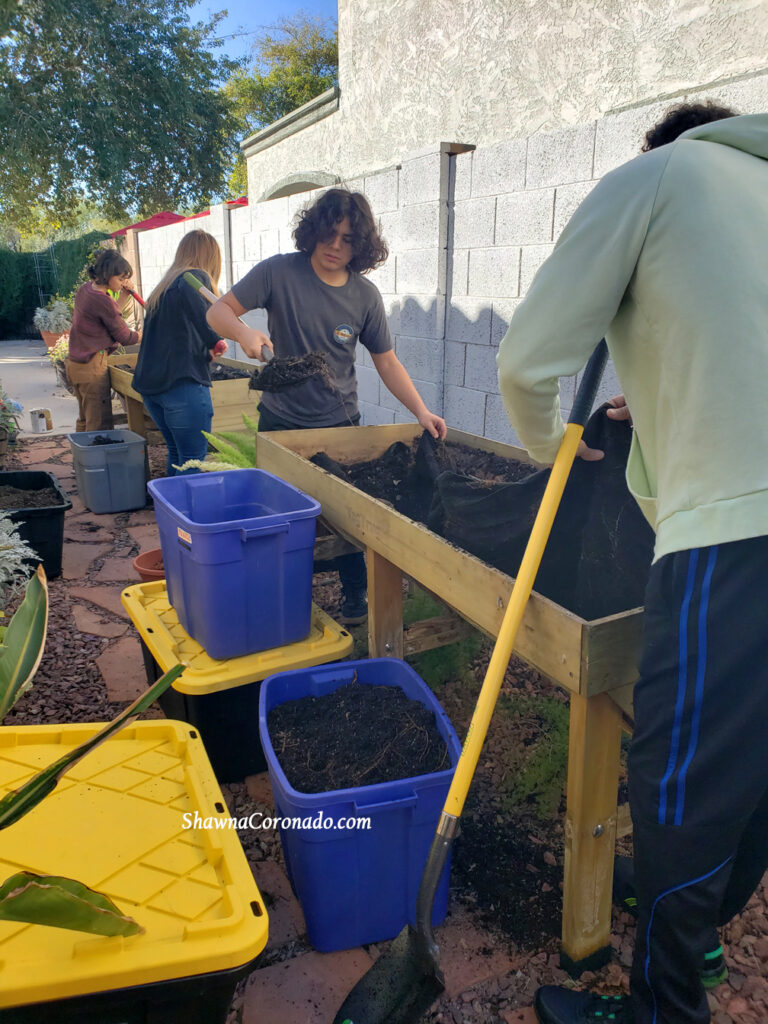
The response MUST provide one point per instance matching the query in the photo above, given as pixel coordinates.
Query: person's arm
(573, 300)
(399, 383)
(114, 325)
(223, 316)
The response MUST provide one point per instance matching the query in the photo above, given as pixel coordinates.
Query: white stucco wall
(467, 232)
(414, 72)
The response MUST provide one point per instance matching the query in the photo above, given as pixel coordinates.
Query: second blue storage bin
(237, 552)
(358, 885)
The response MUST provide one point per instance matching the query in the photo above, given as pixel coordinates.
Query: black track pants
(698, 767)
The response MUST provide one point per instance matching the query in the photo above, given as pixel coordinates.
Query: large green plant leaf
(62, 903)
(15, 805)
(23, 642)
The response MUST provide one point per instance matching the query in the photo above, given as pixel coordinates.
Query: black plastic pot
(41, 528)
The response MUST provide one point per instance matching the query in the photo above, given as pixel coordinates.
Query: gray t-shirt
(307, 315)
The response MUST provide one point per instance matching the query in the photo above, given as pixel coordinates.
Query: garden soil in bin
(358, 735)
(101, 439)
(17, 497)
(600, 550)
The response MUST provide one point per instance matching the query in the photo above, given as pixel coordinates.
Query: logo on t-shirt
(343, 334)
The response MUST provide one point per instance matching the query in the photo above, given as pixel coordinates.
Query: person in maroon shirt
(97, 329)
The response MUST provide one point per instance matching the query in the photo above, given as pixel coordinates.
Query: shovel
(266, 353)
(406, 980)
(282, 373)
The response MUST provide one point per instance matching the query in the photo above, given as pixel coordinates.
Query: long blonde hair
(197, 251)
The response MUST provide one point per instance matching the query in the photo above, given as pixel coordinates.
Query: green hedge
(19, 297)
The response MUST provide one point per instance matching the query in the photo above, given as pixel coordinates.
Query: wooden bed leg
(135, 413)
(385, 607)
(590, 831)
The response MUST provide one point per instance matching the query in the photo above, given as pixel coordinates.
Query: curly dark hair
(682, 117)
(317, 223)
(109, 263)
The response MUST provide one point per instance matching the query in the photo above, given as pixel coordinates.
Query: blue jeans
(181, 414)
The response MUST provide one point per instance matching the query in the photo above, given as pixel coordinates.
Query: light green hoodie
(668, 259)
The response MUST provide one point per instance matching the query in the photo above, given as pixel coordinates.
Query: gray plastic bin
(110, 477)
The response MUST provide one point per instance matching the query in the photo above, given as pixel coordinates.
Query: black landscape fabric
(600, 550)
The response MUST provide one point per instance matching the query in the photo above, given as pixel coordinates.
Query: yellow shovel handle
(518, 600)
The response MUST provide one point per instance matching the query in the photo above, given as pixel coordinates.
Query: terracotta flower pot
(50, 338)
(149, 565)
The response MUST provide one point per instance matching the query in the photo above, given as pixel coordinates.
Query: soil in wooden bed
(219, 371)
(600, 550)
(358, 735)
(16, 497)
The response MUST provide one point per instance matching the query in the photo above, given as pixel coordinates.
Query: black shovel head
(399, 988)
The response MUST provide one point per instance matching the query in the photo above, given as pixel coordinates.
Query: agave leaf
(62, 903)
(15, 805)
(21, 647)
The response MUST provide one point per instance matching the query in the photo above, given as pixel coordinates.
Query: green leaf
(22, 643)
(15, 805)
(250, 423)
(62, 903)
(228, 451)
(245, 445)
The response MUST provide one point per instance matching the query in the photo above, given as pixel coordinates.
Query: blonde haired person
(173, 369)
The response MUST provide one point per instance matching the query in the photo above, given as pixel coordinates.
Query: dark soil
(359, 735)
(15, 497)
(515, 889)
(288, 371)
(102, 439)
(219, 371)
(599, 552)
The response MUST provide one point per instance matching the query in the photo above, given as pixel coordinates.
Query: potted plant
(58, 357)
(9, 423)
(53, 319)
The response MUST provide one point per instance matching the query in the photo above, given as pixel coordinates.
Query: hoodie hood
(747, 132)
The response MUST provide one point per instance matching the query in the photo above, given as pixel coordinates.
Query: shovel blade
(399, 988)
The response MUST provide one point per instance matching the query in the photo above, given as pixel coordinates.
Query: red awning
(159, 220)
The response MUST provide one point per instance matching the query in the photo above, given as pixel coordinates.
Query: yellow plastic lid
(116, 823)
(170, 644)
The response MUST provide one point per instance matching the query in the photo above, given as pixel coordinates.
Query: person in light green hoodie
(668, 259)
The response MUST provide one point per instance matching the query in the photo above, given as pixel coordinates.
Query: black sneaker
(555, 1005)
(354, 609)
(715, 971)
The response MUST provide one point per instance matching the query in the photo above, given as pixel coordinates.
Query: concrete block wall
(158, 247)
(467, 232)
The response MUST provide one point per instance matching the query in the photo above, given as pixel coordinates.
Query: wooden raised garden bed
(231, 398)
(596, 661)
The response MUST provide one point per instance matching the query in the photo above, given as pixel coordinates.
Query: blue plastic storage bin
(359, 886)
(237, 552)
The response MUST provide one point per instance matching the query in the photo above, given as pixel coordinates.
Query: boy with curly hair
(318, 300)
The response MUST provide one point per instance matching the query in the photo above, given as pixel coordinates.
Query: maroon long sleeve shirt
(96, 325)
